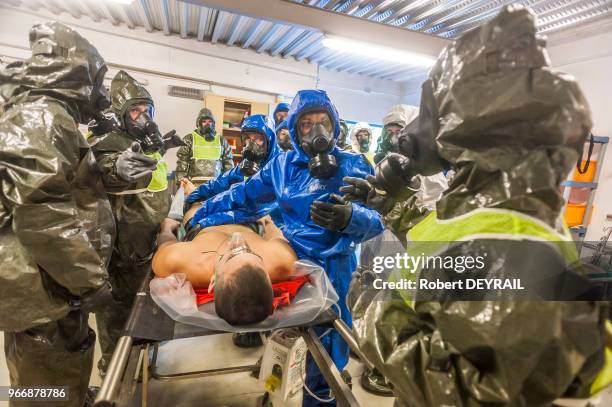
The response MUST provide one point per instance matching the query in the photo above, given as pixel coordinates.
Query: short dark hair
(245, 296)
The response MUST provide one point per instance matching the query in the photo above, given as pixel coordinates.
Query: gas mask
(417, 145)
(343, 133)
(318, 145)
(253, 154)
(283, 140)
(145, 131)
(207, 131)
(364, 143)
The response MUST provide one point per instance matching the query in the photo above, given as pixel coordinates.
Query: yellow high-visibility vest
(205, 150)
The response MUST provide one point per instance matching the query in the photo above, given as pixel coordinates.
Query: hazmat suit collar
(258, 123)
(512, 145)
(310, 100)
(125, 92)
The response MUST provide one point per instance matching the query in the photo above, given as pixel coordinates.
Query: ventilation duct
(185, 93)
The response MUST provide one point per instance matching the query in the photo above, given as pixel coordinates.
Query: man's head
(259, 143)
(363, 138)
(393, 131)
(243, 290)
(314, 128)
(205, 124)
(360, 137)
(280, 113)
(282, 136)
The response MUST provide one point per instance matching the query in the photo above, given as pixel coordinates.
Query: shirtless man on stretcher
(238, 263)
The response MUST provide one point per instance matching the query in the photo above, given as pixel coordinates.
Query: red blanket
(284, 292)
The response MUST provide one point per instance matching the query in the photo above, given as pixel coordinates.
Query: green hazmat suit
(512, 129)
(56, 225)
(209, 160)
(399, 115)
(138, 209)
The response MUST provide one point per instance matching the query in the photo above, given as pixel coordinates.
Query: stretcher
(135, 355)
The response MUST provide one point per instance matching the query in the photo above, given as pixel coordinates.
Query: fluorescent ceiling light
(378, 52)
(121, 1)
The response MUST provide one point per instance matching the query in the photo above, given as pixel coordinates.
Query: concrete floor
(232, 390)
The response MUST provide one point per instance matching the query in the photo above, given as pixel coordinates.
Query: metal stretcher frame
(131, 355)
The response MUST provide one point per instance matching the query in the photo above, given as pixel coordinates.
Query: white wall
(251, 75)
(588, 58)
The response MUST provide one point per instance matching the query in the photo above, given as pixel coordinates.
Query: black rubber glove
(103, 125)
(171, 140)
(132, 164)
(364, 190)
(333, 216)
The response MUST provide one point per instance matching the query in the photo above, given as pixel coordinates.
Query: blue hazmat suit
(287, 181)
(281, 106)
(280, 126)
(221, 183)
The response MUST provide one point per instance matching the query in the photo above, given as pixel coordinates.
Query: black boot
(247, 340)
(374, 382)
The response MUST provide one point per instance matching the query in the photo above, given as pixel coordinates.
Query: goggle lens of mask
(137, 110)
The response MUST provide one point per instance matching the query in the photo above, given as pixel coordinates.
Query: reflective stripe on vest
(159, 181)
(205, 150)
(433, 236)
(489, 223)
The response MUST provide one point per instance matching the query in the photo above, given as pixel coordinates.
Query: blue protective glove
(198, 195)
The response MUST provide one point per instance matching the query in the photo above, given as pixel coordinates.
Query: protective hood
(400, 115)
(63, 65)
(280, 107)
(281, 125)
(513, 144)
(205, 113)
(125, 92)
(257, 122)
(352, 137)
(305, 101)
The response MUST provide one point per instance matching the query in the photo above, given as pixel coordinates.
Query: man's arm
(167, 232)
(107, 152)
(248, 196)
(227, 158)
(183, 156)
(217, 185)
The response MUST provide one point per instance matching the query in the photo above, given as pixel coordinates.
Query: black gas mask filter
(318, 145)
(145, 131)
(253, 154)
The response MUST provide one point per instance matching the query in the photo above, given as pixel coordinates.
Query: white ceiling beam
(141, 6)
(331, 23)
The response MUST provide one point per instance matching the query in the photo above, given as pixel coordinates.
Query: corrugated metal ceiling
(448, 19)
